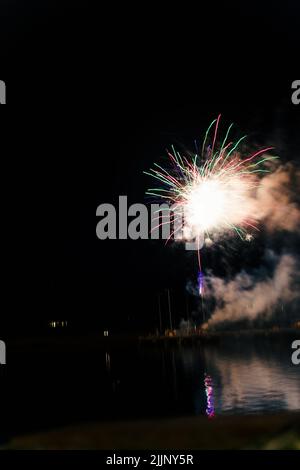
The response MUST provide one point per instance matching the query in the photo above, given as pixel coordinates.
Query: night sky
(96, 95)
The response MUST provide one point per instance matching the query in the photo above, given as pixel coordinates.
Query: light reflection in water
(254, 383)
(210, 409)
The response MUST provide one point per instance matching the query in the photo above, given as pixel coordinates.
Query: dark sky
(96, 93)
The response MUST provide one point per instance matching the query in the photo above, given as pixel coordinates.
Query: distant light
(105, 332)
(107, 361)
(58, 324)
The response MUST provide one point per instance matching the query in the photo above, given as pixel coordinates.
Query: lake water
(237, 376)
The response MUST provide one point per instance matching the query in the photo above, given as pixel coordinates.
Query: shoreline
(268, 432)
(68, 341)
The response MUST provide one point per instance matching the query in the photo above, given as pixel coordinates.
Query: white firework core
(216, 202)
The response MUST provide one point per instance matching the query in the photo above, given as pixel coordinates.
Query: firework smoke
(245, 297)
(277, 200)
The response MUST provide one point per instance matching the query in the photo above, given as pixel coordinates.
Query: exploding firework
(212, 188)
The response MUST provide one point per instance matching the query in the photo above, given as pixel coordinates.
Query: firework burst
(213, 188)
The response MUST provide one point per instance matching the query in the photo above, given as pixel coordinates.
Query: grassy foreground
(280, 431)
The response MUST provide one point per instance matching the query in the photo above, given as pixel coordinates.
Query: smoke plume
(247, 297)
(277, 200)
